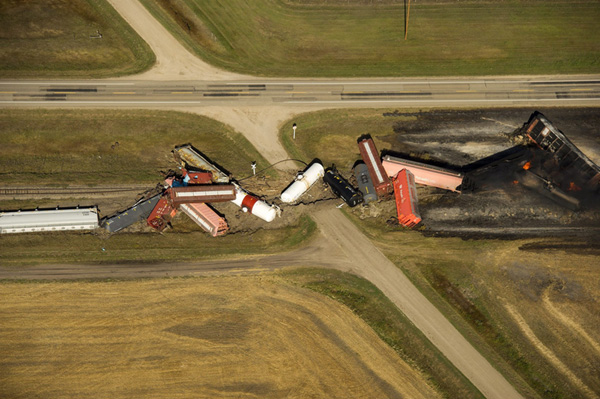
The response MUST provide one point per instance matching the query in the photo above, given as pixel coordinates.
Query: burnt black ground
(499, 206)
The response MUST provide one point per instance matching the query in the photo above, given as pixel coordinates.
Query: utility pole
(407, 13)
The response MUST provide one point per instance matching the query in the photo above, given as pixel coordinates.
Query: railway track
(36, 191)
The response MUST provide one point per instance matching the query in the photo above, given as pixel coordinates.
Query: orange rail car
(405, 191)
(206, 218)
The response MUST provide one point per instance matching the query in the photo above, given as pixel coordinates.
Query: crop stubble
(227, 337)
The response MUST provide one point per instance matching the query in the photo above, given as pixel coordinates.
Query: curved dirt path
(260, 125)
(173, 61)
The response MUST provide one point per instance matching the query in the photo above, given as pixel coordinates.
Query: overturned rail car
(162, 214)
(370, 156)
(571, 161)
(544, 187)
(365, 184)
(206, 218)
(405, 192)
(342, 188)
(140, 211)
(303, 182)
(191, 176)
(190, 156)
(201, 193)
(249, 203)
(424, 174)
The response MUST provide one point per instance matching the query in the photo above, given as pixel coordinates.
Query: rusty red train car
(201, 193)
(424, 174)
(191, 176)
(405, 192)
(206, 218)
(370, 156)
(162, 214)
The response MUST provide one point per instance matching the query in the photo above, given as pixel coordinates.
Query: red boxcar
(201, 193)
(406, 199)
(206, 218)
(370, 156)
(196, 176)
(162, 213)
(424, 174)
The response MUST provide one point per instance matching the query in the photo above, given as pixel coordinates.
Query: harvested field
(341, 38)
(68, 38)
(209, 337)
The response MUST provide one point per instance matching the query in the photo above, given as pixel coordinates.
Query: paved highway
(579, 91)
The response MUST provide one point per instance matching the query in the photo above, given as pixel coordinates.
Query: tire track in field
(546, 352)
(564, 319)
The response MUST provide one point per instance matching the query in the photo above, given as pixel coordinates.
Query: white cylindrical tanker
(303, 183)
(250, 203)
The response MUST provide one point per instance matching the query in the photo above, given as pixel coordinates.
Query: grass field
(366, 38)
(184, 242)
(535, 306)
(350, 124)
(71, 147)
(254, 336)
(41, 40)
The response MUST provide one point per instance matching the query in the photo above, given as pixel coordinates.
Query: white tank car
(303, 182)
(250, 203)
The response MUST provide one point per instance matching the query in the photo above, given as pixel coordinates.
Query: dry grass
(67, 147)
(535, 307)
(58, 39)
(212, 337)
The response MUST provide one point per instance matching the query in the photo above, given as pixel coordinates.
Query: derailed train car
(303, 182)
(206, 218)
(424, 174)
(162, 213)
(574, 165)
(342, 188)
(201, 193)
(140, 211)
(365, 184)
(189, 156)
(49, 220)
(370, 156)
(253, 205)
(405, 192)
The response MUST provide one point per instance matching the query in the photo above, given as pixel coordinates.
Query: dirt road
(370, 263)
(173, 61)
(320, 253)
